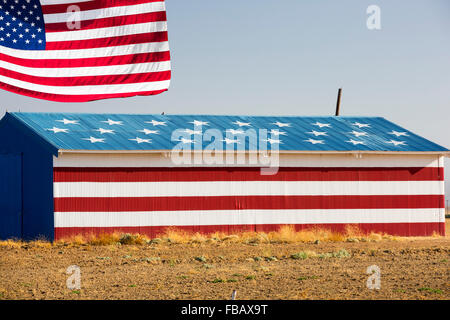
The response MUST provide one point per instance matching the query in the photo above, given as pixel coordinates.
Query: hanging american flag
(81, 50)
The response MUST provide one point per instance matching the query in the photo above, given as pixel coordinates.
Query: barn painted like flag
(84, 50)
(114, 172)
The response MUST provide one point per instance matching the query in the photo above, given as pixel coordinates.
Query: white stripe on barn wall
(142, 160)
(237, 217)
(245, 188)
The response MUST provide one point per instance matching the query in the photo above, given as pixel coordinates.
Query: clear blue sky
(289, 57)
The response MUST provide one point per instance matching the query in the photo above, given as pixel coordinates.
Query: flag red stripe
(89, 62)
(246, 202)
(74, 98)
(91, 5)
(246, 174)
(109, 22)
(400, 229)
(108, 42)
(89, 80)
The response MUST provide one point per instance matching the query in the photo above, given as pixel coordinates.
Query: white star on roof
(361, 125)
(242, 124)
(184, 140)
(313, 141)
(355, 142)
(281, 125)
(112, 122)
(273, 141)
(232, 131)
(229, 141)
(139, 140)
(199, 123)
(103, 131)
(65, 121)
(157, 123)
(147, 131)
(358, 133)
(318, 133)
(277, 132)
(321, 125)
(191, 132)
(94, 140)
(398, 134)
(56, 130)
(396, 143)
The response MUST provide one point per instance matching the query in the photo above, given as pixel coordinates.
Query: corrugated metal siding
(10, 196)
(36, 178)
(395, 199)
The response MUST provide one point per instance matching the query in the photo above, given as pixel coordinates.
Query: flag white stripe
(89, 90)
(51, 2)
(89, 71)
(88, 53)
(106, 12)
(244, 217)
(245, 188)
(125, 30)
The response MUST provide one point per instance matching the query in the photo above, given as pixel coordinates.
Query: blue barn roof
(149, 132)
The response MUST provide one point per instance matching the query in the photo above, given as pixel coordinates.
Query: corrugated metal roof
(129, 132)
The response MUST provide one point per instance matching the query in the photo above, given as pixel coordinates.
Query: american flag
(81, 50)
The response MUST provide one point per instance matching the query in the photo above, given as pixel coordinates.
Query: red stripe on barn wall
(247, 202)
(246, 174)
(128, 205)
(399, 229)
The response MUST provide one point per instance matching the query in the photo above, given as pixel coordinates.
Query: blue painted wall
(36, 181)
(10, 196)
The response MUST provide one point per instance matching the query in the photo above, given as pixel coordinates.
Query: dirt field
(414, 268)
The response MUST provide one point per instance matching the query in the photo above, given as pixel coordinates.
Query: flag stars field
(125, 43)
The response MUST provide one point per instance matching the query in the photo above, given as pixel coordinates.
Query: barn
(63, 174)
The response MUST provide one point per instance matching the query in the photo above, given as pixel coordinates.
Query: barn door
(10, 196)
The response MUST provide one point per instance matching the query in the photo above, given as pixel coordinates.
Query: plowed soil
(415, 268)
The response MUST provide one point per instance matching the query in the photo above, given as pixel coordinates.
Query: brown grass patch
(285, 234)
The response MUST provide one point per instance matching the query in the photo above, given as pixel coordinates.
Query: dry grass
(286, 234)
